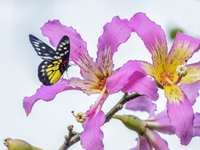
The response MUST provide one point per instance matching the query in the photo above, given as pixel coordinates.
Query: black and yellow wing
(55, 62)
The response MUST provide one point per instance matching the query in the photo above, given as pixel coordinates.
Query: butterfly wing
(50, 71)
(63, 49)
(42, 49)
(63, 52)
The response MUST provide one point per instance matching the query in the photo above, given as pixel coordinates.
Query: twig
(120, 104)
(73, 138)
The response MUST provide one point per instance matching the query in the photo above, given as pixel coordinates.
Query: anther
(166, 78)
(102, 83)
(80, 117)
(182, 70)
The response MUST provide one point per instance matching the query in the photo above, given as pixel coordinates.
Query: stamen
(171, 82)
(166, 78)
(80, 117)
(102, 83)
(182, 70)
(97, 102)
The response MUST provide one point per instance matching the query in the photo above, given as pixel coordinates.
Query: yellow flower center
(165, 78)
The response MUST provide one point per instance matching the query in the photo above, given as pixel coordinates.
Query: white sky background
(46, 126)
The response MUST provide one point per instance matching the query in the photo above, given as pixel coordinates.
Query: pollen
(80, 117)
(163, 77)
(102, 83)
(181, 71)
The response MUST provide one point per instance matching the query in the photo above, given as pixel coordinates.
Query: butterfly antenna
(74, 52)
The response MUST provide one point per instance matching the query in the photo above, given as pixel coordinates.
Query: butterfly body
(54, 63)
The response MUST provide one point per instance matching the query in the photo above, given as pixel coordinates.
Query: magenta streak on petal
(181, 116)
(46, 93)
(89, 69)
(191, 90)
(92, 136)
(142, 103)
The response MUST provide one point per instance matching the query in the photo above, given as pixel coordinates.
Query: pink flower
(94, 73)
(163, 70)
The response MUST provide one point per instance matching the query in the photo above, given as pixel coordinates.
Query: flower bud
(16, 144)
(132, 122)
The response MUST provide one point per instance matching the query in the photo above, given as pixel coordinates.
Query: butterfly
(54, 63)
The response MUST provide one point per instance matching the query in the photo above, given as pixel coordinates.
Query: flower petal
(115, 33)
(174, 93)
(193, 74)
(183, 48)
(157, 142)
(97, 105)
(161, 123)
(181, 116)
(153, 37)
(92, 136)
(88, 68)
(54, 30)
(191, 90)
(142, 103)
(117, 81)
(142, 85)
(197, 124)
(46, 93)
(142, 143)
(150, 70)
(134, 80)
(88, 87)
